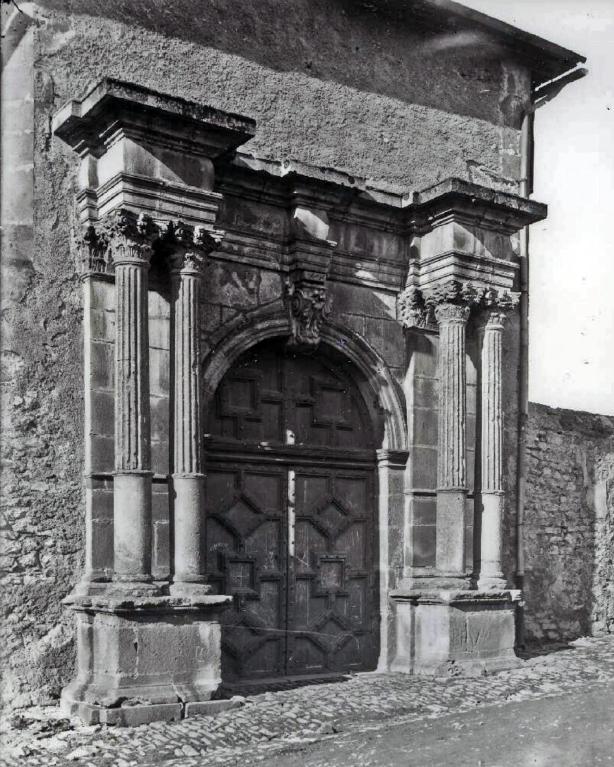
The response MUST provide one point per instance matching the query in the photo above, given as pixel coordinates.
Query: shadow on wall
(569, 525)
(339, 40)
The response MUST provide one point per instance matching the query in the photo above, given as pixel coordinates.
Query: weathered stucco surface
(362, 93)
(569, 525)
(41, 449)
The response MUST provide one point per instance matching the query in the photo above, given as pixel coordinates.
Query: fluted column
(130, 243)
(491, 574)
(451, 469)
(187, 264)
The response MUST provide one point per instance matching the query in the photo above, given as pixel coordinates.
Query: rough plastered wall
(335, 83)
(569, 525)
(41, 379)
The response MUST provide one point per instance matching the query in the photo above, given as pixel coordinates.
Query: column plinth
(131, 251)
(451, 468)
(491, 573)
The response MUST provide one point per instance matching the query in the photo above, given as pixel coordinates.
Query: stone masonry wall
(569, 525)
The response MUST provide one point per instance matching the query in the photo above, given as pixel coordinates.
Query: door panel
(290, 524)
(332, 625)
(246, 557)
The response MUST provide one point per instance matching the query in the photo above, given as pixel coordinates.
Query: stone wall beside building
(569, 525)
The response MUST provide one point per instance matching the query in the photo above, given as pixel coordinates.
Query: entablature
(173, 160)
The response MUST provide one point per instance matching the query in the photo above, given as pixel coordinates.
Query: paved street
(570, 730)
(538, 713)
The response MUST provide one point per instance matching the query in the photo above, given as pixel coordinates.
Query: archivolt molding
(243, 334)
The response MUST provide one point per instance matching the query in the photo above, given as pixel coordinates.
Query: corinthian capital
(412, 310)
(448, 312)
(94, 250)
(188, 246)
(130, 237)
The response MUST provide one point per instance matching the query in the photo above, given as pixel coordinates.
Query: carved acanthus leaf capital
(309, 306)
(130, 236)
(189, 246)
(94, 250)
(448, 312)
(496, 307)
(413, 312)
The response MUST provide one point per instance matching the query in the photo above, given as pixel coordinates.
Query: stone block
(270, 287)
(102, 325)
(424, 391)
(103, 454)
(160, 415)
(124, 662)
(159, 333)
(424, 538)
(159, 372)
(423, 467)
(455, 633)
(102, 501)
(103, 412)
(424, 431)
(161, 549)
(102, 362)
(423, 511)
(211, 707)
(102, 296)
(102, 544)
(160, 462)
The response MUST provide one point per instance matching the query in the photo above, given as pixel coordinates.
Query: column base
(492, 583)
(141, 660)
(455, 633)
(189, 588)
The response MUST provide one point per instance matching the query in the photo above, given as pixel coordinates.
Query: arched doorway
(291, 524)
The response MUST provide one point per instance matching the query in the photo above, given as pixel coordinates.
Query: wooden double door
(290, 528)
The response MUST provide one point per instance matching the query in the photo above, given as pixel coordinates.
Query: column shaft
(132, 481)
(188, 477)
(451, 470)
(491, 575)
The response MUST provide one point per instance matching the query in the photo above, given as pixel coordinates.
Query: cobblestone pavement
(271, 723)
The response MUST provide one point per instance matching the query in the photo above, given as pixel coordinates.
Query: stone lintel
(85, 124)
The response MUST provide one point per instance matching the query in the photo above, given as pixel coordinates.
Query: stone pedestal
(144, 659)
(452, 633)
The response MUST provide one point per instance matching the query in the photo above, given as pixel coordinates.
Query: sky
(571, 359)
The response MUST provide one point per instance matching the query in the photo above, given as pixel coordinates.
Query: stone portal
(336, 353)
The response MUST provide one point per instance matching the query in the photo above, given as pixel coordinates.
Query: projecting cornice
(488, 208)
(89, 124)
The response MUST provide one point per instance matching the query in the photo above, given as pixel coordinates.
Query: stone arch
(385, 402)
